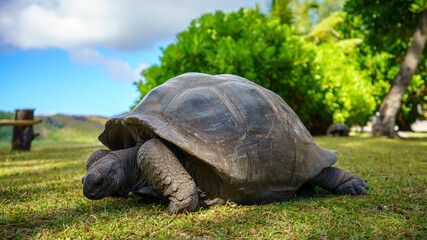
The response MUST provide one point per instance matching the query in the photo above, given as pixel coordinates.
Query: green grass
(41, 197)
(58, 128)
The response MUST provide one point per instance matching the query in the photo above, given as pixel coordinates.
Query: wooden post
(23, 135)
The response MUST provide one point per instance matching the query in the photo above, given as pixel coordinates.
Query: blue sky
(81, 57)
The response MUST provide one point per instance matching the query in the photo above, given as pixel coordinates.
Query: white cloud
(80, 26)
(60, 24)
(138, 70)
(123, 25)
(117, 68)
(48, 113)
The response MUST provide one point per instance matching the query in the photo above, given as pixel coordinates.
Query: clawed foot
(189, 204)
(354, 186)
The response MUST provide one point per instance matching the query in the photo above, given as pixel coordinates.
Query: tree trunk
(23, 135)
(384, 124)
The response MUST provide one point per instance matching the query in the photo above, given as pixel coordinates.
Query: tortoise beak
(92, 186)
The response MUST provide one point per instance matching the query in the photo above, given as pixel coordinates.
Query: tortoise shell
(247, 134)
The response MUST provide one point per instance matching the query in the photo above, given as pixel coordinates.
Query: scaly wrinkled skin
(340, 181)
(114, 173)
(167, 176)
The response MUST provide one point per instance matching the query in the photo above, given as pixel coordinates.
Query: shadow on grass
(19, 226)
(86, 212)
(50, 170)
(36, 152)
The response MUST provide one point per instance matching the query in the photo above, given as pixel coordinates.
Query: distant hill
(60, 128)
(6, 132)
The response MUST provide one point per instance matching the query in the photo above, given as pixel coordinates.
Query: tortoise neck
(133, 178)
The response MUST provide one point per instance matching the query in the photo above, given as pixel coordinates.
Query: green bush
(252, 45)
(387, 28)
(348, 90)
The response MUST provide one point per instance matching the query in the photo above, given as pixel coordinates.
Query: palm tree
(325, 32)
(281, 10)
(303, 15)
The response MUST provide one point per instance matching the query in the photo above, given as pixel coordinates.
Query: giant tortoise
(203, 139)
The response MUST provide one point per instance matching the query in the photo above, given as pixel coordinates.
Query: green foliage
(389, 23)
(387, 27)
(247, 44)
(303, 15)
(341, 77)
(308, 13)
(41, 198)
(325, 30)
(377, 65)
(337, 57)
(282, 10)
(417, 94)
(251, 45)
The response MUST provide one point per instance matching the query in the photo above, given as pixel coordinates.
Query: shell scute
(246, 133)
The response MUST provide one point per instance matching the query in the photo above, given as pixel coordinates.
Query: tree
(281, 9)
(261, 49)
(381, 66)
(249, 44)
(344, 74)
(390, 26)
(308, 13)
(326, 32)
(384, 125)
(303, 15)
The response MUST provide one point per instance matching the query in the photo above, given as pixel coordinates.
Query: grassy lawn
(41, 197)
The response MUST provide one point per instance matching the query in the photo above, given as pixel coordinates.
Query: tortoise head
(104, 178)
(112, 173)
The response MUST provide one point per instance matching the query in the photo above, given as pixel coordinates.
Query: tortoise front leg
(340, 181)
(163, 171)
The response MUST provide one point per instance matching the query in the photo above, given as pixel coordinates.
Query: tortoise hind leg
(207, 181)
(163, 171)
(340, 181)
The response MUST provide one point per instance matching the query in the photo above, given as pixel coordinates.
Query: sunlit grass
(41, 197)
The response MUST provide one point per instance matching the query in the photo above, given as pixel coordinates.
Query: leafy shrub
(348, 90)
(387, 28)
(249, 44)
